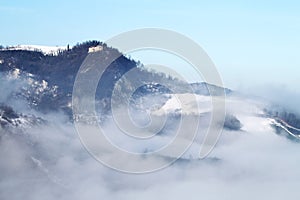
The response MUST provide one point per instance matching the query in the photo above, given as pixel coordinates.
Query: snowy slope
(47, 50)
(250, 113)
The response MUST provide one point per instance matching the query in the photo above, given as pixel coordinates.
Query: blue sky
(253, 43)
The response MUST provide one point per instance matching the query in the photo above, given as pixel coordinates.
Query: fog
(48, 161)
(276, 94)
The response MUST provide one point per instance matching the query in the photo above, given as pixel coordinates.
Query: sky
(252, 43)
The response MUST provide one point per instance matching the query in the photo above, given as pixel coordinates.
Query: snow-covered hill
(42, 154)
(47, 50)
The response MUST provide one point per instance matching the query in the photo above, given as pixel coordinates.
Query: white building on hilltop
(95, 49)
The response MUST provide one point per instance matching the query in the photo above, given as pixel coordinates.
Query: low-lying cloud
(49, 162)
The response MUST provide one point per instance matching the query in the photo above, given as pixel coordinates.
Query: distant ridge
(47, 50)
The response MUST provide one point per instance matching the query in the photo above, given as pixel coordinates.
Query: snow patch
(14, 74)
(192, 104)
